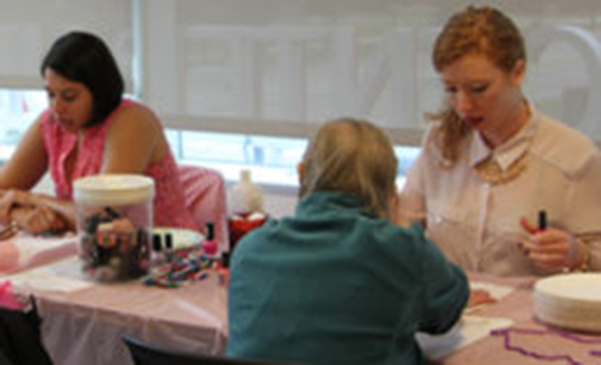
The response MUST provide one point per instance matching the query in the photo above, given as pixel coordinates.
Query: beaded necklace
(490, 171)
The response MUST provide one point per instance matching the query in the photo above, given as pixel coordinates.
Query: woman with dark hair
(85, 58)
(491, 164)
(339, 283)
(88, 129)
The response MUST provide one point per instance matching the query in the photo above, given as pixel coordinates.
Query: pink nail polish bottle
(211, 248)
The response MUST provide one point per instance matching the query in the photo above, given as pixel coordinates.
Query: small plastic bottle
(246, 208)
(246, 197)
(211, 248)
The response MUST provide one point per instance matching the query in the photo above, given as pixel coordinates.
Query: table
(518, 306)
(85, 326)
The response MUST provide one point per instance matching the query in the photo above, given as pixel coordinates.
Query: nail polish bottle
(224, 269)
(211, 248)
(158, 257)
(169, 250)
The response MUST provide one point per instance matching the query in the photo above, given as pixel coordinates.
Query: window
(243, 83)
(272, 159)
(18, 109)
(235, 67)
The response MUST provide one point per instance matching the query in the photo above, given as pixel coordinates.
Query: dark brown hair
(85, 58)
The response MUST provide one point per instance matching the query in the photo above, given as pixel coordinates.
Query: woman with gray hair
(339, 283)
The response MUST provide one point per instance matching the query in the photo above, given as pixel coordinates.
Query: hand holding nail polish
(548, 248)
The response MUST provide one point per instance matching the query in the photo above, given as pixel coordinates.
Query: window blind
(29, 27)
(281, 67)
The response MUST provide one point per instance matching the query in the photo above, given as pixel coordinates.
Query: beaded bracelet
(180, 271)
(585, 265)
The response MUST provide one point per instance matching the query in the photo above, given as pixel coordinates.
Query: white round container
(114, 218)
(571, 301)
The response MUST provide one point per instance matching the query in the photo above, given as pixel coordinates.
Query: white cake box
(571, 301)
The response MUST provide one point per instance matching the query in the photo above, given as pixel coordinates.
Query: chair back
(206, 199)
(20, 341)
(144, 353)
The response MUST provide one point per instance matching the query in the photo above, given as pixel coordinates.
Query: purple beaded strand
(506, 332)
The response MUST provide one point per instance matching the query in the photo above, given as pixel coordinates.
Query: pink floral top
(169, 202)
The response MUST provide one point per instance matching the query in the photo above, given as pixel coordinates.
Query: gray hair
(351, 156)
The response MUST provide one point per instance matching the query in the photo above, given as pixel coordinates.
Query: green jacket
(334, 285)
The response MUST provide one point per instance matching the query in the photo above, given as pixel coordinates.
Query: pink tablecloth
(85, 326)
(518, 306)
(24, 251)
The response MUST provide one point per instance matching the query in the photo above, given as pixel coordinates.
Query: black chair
(144, 353)
(20, 342)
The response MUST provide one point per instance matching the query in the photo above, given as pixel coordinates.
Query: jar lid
(113, 189)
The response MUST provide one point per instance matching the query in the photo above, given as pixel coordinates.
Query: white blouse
(477, 223)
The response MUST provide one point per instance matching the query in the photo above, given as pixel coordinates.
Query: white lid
(573, 286)
(113, 189)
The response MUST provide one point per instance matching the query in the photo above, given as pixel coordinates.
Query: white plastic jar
(114, 218)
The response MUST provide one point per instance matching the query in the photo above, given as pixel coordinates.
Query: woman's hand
(552, 249)
(38, 219)
(479, 297)
(10, 199)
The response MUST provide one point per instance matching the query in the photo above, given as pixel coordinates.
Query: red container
(242, 223)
